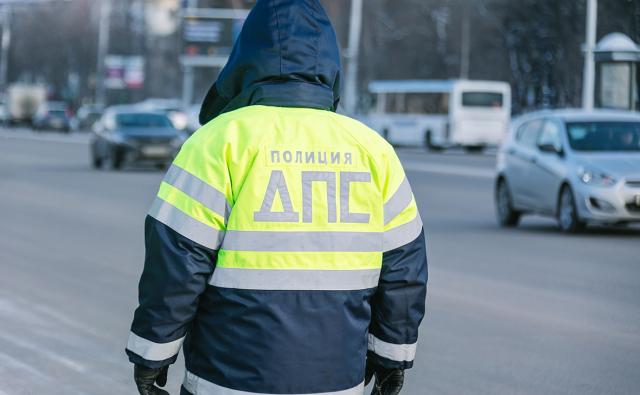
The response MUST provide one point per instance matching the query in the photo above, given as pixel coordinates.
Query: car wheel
(113, 161)
(428, 142)
(96, 161)
(568, 218)
(474, 149)
(507, 216)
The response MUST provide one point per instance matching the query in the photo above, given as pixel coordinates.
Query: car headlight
(596, 178)
(178, 141)
(178, 119)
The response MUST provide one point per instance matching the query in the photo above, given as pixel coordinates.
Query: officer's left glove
(145, 379)
(388, 381)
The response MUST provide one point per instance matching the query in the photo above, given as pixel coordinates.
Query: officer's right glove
(388, 381)
(145, 379)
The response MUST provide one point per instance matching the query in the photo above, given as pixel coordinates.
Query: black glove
(145, 379)
(388, 381)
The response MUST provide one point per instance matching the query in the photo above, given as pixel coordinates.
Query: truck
(24, 101)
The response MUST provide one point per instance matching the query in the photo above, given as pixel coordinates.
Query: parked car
(580, 167)
(53, 116)
(126, 135)
(172, 108)
(87, 116)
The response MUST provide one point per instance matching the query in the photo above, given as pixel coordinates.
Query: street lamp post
(588, 78)
(5, 45)
(355, 27)
(103, 48)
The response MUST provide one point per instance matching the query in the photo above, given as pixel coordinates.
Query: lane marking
(43, 351)
(453, 170)
(20, 366)
(26, 135)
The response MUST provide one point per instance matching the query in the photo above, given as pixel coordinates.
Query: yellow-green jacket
(283, 248)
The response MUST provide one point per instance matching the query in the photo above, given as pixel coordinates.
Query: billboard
(208, 34)
(124, 72)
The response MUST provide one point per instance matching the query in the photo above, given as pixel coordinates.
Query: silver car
(580, 167)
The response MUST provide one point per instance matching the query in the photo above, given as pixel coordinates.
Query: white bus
(441, 113)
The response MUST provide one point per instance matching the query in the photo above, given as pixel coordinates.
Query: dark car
(53, 116)
(128, 136)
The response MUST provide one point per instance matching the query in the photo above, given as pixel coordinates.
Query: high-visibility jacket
(284, 246)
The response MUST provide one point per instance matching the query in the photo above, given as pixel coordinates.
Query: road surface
(518, 311)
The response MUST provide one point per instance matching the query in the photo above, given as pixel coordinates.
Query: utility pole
(5, 45)
(588, 78)
(464, 44)
(353, 53)
(188, 74)
(103, 48)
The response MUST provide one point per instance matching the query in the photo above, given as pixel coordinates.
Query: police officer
(284, 250)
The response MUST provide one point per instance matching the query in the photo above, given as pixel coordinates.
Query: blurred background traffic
(504, 114)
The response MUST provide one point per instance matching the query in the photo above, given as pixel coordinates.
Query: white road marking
(45, 353)
(454, 170)
(24, 134)
(11, 362)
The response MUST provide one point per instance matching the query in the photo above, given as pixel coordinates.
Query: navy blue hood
(286, 55)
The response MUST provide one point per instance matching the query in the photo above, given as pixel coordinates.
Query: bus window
(417, 103)
(394, 103)
(482, 99)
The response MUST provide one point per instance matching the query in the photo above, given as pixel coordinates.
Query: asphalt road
(519, 311)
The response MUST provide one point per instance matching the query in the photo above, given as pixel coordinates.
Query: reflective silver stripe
(188, 227)
(394, 352)
(403, 234)
(152, 351)
(199, 386)
(199, 190)
(398, 202)
(242, 240)
(292, 280)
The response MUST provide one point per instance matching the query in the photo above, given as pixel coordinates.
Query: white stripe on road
(453, 170)
(28, 135)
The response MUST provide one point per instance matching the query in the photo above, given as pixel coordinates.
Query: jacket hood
(286, 55)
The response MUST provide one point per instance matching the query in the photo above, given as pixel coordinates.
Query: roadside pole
(188, 75)
(5, 45)
(353, 53)
(588, 78)
(103, 48)
(465, 49)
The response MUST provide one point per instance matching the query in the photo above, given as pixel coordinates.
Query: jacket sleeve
(183, 232)
(398, 305)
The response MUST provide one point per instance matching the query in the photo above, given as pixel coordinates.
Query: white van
(441, 113)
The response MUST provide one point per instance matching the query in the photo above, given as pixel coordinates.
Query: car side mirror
(550, 148)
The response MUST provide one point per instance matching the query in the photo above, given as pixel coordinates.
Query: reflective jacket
(284, 246)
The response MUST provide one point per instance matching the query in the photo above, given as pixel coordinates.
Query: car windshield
(604, 136)
(142, 120)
